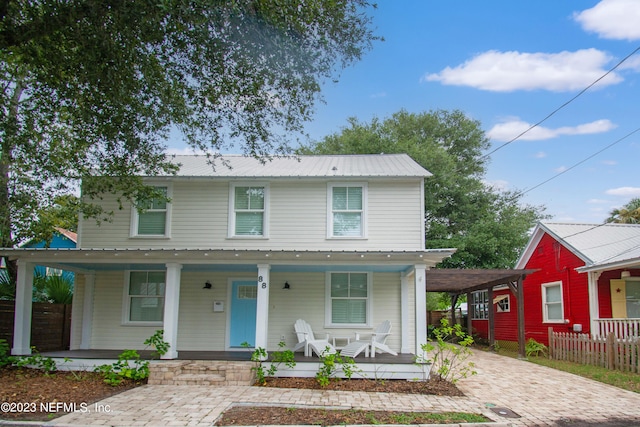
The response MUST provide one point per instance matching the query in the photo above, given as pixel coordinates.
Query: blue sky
(509, 64)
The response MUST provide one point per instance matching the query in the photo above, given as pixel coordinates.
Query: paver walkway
(540, 396)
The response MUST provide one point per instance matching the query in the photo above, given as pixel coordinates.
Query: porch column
(171, 309)
(404, 313)
(23, 307)
(492, 322)
(421, 307)
(87, 311)
(594, 307)
(262, 309)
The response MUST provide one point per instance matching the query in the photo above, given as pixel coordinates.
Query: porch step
(201, 372)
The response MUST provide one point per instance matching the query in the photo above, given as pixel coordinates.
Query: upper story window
(348, 299)
(155, 218)
(552, 307)
(248, 210)
(144, 297)
(480, 305)
(347, 216)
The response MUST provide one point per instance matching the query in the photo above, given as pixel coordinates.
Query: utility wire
(562, 106)
(581, 161)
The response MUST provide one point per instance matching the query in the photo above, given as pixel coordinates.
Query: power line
(581, 162)
(563, 105)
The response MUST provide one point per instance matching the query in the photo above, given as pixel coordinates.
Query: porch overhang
(85, 260)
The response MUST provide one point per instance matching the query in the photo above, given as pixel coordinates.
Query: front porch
(621, 328)
(234, 367)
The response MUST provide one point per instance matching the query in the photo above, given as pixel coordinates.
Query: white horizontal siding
(200, 328)
(297, 219)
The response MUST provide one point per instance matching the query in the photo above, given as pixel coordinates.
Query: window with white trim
(632, 297)
(502, 303)
(480, 305)
(153, 217)
(248, 210)
(348, 298)
(552, 307)
(347, 204)
(144, 297)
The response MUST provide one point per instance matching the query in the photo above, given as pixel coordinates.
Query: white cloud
(540, 155)
(560, 169)
(378, 95)
(506, 131)
(510, 71)
(624, 191)
(612, 19)
(498, 184)
(609, 162)
(598, 201)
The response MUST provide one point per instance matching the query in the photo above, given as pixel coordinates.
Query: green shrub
(449, 352)
(331, 364)
(535, 348)
(259, 356)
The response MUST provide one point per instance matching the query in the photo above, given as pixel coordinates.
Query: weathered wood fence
(608, 352)
(50, 325)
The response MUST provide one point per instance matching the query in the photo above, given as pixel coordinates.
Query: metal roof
(365, 166)
(598, 244)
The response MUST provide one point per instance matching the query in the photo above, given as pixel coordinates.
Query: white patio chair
(377, 340)
(308, 341)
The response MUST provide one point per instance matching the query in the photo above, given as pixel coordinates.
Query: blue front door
(244, 295)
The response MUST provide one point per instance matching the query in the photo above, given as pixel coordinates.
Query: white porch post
(87, 311)
(421, 307)
(171, 309)
(262, 309)
(404, 312)
(23, 307)
(594, 307)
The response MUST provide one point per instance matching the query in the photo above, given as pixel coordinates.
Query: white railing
(622, 328)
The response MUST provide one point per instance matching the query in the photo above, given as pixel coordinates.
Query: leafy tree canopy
(489, 227)
(90, 89)
(628, 214)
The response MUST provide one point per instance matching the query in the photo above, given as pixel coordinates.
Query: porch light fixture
(625, 274)
(207, 285)
(286, 286)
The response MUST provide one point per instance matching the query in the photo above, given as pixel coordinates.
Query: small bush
(331, 364)
(259, 356)
(535, 348)
(449, 352)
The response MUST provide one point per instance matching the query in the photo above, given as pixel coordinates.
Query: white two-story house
(239, 253)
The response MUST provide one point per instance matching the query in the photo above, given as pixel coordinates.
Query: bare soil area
(32, 394)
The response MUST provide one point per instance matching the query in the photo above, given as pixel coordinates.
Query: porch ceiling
(458, 281)
(80, 260)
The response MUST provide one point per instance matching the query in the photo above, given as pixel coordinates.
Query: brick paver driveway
(538, 395)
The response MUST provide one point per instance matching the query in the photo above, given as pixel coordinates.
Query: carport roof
(460, 281)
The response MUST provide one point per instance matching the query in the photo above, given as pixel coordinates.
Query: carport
(465, 281)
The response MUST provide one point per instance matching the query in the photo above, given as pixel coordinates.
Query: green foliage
(5, 356)
(628, 214)
(535, 348)
(488, 226)
(58, 289)
(7, 287)
(129, 365)
(449, 353)
(157, 341)
(37, 361)
(279, 357)
(331, 364)
(92, 90)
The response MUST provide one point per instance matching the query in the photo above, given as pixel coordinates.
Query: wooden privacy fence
(608, 352)
(50, 325)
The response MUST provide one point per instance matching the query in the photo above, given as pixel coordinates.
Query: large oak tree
(92, 88)
(488, 226)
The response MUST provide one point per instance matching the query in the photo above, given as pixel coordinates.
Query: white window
(248, 210)
(502, 303)
(144, 297)
(632, 298)
(155, 218)
(348, 299)
(347, 216)
(552, 308)
(480, 305)
(53, 272)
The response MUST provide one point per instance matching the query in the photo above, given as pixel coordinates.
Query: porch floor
(381, 358)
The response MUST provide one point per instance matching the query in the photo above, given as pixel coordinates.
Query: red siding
(555, 264)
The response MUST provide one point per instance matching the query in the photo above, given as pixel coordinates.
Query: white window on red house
(480, 305)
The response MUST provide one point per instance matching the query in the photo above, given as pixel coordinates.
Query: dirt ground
(27, 394)
(31, 394)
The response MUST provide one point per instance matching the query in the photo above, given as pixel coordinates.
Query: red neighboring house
(588, 281)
